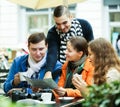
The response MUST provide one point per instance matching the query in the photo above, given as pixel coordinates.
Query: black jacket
(54, 42)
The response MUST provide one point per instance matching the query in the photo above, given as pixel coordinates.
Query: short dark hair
(36, 38)
(61, 10)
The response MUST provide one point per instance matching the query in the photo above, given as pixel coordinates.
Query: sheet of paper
(45, 83)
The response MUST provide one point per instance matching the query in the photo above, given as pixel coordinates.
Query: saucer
(66, 99)
(28, 101)
(48, 102)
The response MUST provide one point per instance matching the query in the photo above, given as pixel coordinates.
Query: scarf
(75, 30)
(34, 67)
(77, 67)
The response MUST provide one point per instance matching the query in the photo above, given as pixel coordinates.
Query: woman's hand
(60, 91)
(80, 84)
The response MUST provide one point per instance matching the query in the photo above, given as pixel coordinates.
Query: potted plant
(105, 95)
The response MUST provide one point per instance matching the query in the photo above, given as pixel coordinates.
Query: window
(42, 20)
(114, 18)
(38, 23)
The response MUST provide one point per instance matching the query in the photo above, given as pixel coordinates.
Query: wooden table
(74, 103)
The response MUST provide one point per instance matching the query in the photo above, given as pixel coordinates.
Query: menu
(42, 83)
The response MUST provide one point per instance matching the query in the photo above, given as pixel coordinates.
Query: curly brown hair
(105, 58)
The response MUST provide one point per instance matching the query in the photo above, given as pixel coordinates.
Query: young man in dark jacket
(65, 28)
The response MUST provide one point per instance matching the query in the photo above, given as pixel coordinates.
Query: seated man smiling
(33, 63)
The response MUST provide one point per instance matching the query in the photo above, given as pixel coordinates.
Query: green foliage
(105, 95)
(6, 102)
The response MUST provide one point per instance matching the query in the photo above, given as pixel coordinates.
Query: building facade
(16, 22)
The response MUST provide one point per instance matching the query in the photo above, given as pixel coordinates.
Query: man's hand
(35, 89)
(13, 89)
(48, 74)
(16, 80)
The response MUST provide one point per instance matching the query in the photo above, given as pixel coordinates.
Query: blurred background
(17, 22)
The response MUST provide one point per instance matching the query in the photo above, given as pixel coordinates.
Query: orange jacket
(87, 76)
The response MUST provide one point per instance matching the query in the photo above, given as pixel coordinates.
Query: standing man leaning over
(33, 64)
(65, 27)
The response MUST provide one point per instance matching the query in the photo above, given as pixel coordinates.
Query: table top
(72, 103)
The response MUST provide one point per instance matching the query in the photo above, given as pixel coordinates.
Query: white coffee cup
(46, 97)
(22, 74)
(77, 76)
(80, 76)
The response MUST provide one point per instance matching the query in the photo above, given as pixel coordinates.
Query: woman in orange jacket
(76, 62)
